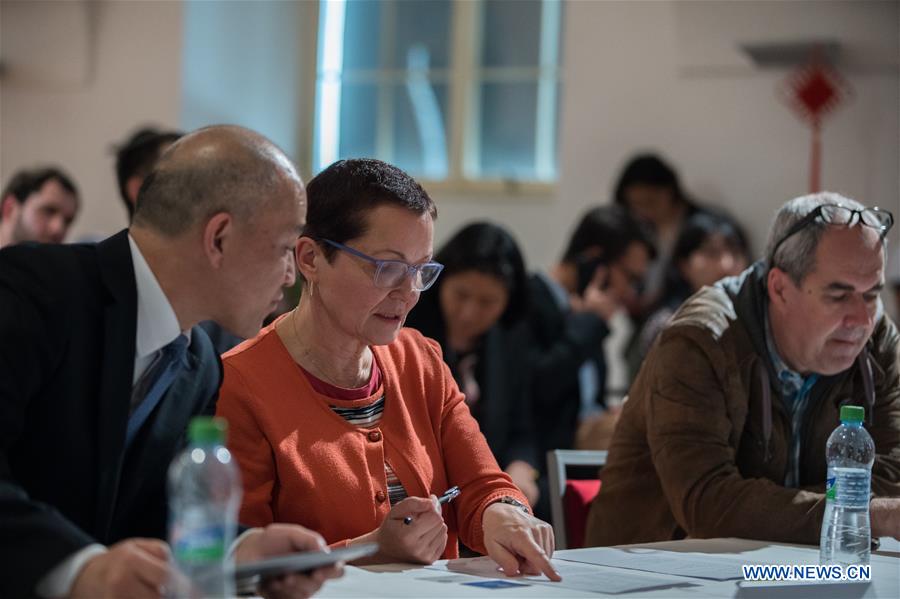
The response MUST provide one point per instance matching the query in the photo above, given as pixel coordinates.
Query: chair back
(570, 499)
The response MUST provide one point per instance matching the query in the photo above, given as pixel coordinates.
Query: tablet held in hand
(302, 563)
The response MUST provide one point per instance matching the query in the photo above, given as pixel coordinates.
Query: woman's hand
(518, 542)
(422, 541)
(524, 476)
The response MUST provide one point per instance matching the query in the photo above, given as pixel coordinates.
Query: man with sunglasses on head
(724, 431)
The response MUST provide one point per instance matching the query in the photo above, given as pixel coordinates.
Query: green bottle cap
(853, 413)
(206, 429)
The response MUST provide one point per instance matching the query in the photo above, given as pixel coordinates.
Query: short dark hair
(340, 198)
(701, 226)
(28, 181)
(649, 169)
(610, 229)
(137, 155)
(489, 249)
(694, 232)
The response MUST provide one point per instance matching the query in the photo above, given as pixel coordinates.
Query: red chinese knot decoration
(814, 91)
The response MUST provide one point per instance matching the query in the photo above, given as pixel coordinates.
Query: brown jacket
(689, 456)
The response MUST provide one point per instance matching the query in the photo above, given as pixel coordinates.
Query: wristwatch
(514, 502)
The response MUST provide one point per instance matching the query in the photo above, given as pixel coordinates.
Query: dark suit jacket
(68, 319)
(564, 341)
(504, 409)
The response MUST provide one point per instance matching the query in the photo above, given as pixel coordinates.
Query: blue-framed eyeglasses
(834, 214)
(392, 273)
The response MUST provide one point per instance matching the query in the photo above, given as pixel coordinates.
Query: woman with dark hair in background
(710, 247)
(475, 311)
(651, 192)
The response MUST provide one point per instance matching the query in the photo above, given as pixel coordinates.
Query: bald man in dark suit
(83, 458)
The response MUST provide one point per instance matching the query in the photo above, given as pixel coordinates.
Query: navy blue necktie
(158, 381)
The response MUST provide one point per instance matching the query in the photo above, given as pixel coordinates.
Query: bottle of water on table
(204, 497)
(850, 451)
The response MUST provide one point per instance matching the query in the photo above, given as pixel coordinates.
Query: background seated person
(710, 247)
(601, 270)
(37, 205)
(724, 431)
(475, 311)
(650, 190)
(135, 159)
(346, 423)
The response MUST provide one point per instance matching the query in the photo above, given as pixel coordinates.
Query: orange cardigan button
(374, 436)
(380, 497)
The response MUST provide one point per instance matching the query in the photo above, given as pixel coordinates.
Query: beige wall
(79, 77)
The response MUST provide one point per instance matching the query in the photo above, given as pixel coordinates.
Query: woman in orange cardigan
(349, 425)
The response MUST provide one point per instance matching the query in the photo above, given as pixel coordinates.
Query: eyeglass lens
(392, 274)
(841, 215)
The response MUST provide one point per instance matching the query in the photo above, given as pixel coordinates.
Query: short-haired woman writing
(345, 423)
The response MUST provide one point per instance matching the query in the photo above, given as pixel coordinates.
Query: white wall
(121, 70)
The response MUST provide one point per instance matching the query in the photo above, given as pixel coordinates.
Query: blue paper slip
(494, 584)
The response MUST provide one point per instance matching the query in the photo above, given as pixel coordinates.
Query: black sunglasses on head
(835, 214)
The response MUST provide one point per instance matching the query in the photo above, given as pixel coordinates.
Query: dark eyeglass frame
(413, 271)
(856, 216)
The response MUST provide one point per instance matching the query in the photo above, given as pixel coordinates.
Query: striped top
(368, 417)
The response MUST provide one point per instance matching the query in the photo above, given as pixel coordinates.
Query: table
(452, 578)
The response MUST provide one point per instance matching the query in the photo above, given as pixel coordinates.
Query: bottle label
(848, 487)
(829, 488)
(200, 544)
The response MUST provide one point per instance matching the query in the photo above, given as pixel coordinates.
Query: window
(449, 91)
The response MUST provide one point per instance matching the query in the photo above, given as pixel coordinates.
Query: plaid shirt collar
(792, 382)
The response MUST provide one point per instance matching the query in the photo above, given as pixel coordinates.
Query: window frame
(463, 77)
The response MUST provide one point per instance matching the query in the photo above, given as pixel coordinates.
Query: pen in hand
(448, 496)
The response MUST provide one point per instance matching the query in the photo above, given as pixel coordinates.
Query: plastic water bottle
(204, 497)
(850, 451)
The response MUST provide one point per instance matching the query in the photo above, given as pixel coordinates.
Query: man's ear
(308, 255)
(8, 207)
(132, 187)
(776, 284)
(217, 234)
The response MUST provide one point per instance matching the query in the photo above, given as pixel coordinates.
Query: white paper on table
(890, 544)
(693, 565)
(358, 582)
(575, 576)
